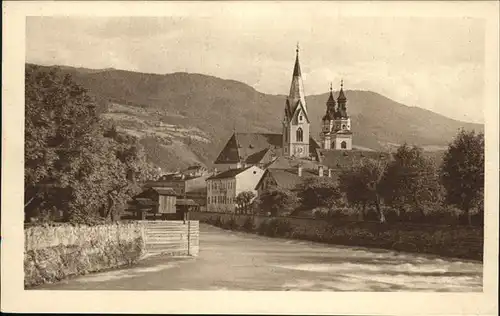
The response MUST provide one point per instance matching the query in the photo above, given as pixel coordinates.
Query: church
(257, 161)
(295, 142)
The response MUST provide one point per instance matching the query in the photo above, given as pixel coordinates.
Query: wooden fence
(176, 238)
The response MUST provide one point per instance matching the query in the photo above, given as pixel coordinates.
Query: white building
(223, 188)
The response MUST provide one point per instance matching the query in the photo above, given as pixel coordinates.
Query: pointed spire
(296, 95)
(341, 96)
(331, 100)
(330, 106)
(296, 69)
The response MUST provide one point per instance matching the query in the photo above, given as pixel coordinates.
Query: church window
(343, 126)
(300, 118)
(343, 145)
(299, 135)
(286, 137)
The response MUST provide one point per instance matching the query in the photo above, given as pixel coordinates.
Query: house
(289, 178)
(154, 202)
(223, 188)
(338, 161)
(189, 184)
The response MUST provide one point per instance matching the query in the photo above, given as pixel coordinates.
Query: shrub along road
(239, 261)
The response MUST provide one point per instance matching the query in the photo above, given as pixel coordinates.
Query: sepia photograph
(286, 148)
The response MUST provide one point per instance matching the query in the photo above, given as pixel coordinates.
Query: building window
(286, 150)
(299, 134)
(300, 118)
(343, 145)
(343, 126)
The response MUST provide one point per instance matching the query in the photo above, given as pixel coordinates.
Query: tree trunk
(418, 205)
(363, 210)
(379, 209)
(469, 216)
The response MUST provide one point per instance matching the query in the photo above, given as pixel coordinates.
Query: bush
(231, 224)
(249, 224)
(262, 229)
(218, 222)
(275, 227)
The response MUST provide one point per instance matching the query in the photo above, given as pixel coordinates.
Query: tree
(462, 171)
(244, 199)
(318, 192)
(74, 161)
(361, 185)
(411, 180)
(277, 201)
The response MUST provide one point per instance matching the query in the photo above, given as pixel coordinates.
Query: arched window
(343, 145)
(343, 126)
(299, 134)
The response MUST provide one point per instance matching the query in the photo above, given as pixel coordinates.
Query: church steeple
(330, 106)
(342, 100)
(296, 94)
(296, 119)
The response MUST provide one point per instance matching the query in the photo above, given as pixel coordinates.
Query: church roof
(330, 107)
(254, 148)
(249, 147)
(341, 96)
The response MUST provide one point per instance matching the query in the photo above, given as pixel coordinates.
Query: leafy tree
(318, 192)
(361, 185)
(412, 181)
(277, 201)
(73, 161)
(244, 199)
(462, 171)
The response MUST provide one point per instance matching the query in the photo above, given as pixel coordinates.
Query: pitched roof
(182, 202)
(249, 147)
(288, 178)
(285, 162)
(164, 191)
(228, 173)
(341, 159)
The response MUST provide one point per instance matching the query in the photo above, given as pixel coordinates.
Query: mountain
(186, 118)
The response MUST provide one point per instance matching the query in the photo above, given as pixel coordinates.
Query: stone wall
(445, 240)
(52, 253)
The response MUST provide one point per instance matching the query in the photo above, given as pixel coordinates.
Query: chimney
(329, 172)
(299, 170)
(320, 171)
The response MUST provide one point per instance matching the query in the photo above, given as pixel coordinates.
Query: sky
(433, 63)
